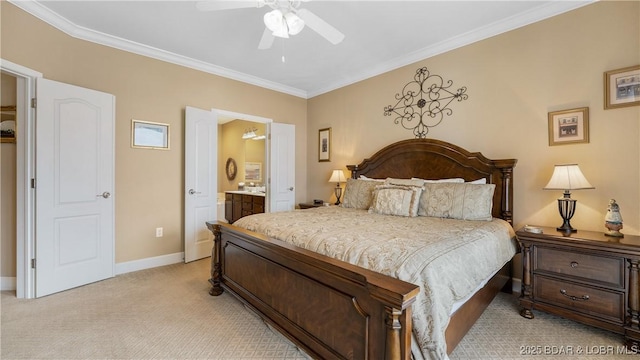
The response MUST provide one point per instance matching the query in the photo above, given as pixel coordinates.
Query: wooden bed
(335, 310)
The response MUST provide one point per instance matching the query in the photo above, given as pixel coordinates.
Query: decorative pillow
(457, 201)
(404, 182)
(358, 193)
(451, 180)
(396, 200)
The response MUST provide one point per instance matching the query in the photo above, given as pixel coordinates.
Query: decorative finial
(613, 220)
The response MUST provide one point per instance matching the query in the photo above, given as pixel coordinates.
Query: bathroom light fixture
(259, 137)
(249, 134)
(567, 177)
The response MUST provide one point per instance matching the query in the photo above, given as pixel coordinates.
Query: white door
(200, 181)
(74, 231)
(282, 167)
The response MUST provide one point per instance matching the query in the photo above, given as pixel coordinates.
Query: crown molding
(79, 32)
(544, 11)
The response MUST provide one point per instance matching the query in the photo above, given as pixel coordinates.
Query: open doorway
(8, 210)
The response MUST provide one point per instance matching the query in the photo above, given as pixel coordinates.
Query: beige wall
(149, 183)
(513, 81)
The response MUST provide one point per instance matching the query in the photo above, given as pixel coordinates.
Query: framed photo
(622, 87)
(253, 171)
(569, 126)
(149, 135)
(8, 124)
(324, 144)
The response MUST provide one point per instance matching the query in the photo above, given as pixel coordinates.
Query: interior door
(282, 167)
(74, 232)
(200, 180)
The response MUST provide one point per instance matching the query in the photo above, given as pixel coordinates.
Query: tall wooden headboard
(436, 159)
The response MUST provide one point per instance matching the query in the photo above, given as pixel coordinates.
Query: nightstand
(309, 205)
(584, 276)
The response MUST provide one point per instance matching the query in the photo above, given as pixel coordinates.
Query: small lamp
(337, 177)
(567, 177)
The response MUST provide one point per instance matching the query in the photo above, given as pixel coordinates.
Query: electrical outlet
(159, 232)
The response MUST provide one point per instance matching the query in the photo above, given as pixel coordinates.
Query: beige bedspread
(447, 258)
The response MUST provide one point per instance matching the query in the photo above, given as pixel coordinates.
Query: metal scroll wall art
(424, 100)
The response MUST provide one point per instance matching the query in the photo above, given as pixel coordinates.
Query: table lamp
(337, 177)
(567, 177)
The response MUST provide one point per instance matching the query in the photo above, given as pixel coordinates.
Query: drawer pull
(574, 264)
(574, 298)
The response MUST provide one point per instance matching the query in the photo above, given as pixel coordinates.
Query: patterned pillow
(457, 201)
(396, 200)
(358, 193)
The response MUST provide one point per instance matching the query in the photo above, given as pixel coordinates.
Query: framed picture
(622, 87)
(149, 135)
(8, 124)
(253, 171)
(569, 126)
(324, 144)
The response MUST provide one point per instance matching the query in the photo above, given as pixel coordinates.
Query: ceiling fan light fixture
(274, 20)
(294, 23)
(282, 31)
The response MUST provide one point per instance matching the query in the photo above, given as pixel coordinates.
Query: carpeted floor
(167, 313)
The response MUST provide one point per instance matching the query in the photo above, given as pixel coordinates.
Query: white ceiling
(379, 35)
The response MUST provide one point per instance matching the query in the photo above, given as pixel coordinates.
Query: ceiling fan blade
(320, 26)
(267, 39)
(215, 5)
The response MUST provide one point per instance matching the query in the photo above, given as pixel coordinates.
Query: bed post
(393, 344)
(506, 169)
(216, 288)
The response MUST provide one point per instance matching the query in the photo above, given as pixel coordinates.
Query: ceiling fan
(285, 18)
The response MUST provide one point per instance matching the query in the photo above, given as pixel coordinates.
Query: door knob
(105, 195)
(191, 192)
(291, 188)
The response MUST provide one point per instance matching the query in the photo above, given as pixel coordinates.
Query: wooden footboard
(329, 308)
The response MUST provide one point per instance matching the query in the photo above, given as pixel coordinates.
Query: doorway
(23, 281)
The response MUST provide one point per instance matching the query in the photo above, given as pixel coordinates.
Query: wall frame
(324, 144)
(149, 135)
(622, 87)
(569, 126)
(253, 171)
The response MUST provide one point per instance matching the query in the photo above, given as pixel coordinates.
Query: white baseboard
(148, 263)
(7, 283)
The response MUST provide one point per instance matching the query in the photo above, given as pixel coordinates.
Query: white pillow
(451, 180)
(404, 182)
(478, 181)
(368, 178)
(457, 201)
(396, 200)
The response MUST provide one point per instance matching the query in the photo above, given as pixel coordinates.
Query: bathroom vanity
(242, 203)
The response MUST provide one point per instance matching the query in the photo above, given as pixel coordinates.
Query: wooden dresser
(239, 204)
(584, 276)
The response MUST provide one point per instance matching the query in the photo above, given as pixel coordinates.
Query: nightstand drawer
(608, 271)
(585, 299)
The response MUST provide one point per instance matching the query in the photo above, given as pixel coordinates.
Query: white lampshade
(337, 176)
(294, 23)
(273, 20)
(568, 177)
